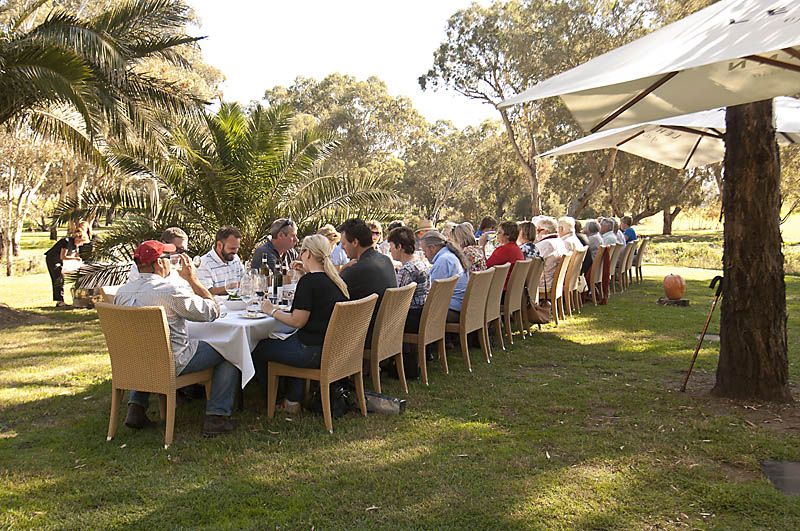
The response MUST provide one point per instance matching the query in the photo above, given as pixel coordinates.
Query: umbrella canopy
(683, 141)
(730, 53)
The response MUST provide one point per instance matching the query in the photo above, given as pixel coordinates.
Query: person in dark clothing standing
(66, 248)
(372, 272)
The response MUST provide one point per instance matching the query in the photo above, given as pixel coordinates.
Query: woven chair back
(615, 254)
(138, 345)
(496, 292)
(434, 313)
(626, 261)
(639, 256)
(473, 310)
(574, 270)
(560, 275)
(343, 346)
(534, 278)
(596, 272)
(516, 284)
(387, 336)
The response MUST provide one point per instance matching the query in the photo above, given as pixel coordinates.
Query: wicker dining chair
(571, 295)
(512, 303)
(109, 293)
(530, 295)
(621, 274)
(616, 252)
(342, 355)
(387, 336)
(494, 313)
(628, 271)
(432, 325)
(637, 262)
(555, 289)
(146, 366)
(596, 273)
(473, 314)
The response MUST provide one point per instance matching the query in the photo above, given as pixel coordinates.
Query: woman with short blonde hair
(464, 237)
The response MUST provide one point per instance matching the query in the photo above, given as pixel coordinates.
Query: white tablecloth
(235, 337)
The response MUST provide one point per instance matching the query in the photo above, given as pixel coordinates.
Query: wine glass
(232, 285)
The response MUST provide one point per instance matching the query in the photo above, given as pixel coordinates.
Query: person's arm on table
(296, 318)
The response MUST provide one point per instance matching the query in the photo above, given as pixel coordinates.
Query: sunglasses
(376, 233)
(286, 223)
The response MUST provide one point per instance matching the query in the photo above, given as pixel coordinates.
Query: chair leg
(170, 428)
(563, 311)
(325, 395)
(162, 406)
(360, 396)
(498, 331)
(113, 420)
(568, 301)
(272, 394)
(507, 325)
(442, 355)
(422, 362)
(488, 341)
(483, 337)
(519, 321)
(465, 350)
(375, 369)
(401, 371)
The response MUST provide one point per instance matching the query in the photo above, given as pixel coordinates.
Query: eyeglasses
(376, 232)
(286, 223)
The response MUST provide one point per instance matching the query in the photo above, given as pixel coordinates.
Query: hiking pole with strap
(705, 328)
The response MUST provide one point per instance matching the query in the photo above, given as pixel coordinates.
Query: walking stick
(705, 328)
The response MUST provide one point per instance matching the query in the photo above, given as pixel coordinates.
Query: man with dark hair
(174, 236)
(488, 224)
(280, 249)
(190, 303)
(372, 272)
(222, 262)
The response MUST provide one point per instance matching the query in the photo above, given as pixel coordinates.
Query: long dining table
(235, 336)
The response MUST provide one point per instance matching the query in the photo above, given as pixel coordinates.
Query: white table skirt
(235, 337)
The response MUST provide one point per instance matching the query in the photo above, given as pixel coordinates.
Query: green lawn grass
(581, 426)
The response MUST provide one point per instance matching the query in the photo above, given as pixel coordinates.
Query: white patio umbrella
(684, 141)
(732, 52)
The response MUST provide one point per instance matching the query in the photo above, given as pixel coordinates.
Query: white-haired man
(550, 247)
(566, 231)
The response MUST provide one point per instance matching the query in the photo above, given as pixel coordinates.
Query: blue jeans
(289, 351)
(223, 386)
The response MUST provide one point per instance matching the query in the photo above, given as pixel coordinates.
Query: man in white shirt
(550, 247)
(177, 237)
(607, 231)
(566, 231)
(222, 262)
(181, 304)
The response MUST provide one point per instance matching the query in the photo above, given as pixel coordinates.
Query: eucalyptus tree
(238, 167)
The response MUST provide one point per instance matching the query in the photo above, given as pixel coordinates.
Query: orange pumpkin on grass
(674, 287)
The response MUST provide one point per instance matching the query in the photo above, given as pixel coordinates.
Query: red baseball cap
(149, 251)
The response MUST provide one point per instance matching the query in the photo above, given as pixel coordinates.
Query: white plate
(258, 315)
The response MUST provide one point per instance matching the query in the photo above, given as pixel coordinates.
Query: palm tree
(238, 167)
(80, 80)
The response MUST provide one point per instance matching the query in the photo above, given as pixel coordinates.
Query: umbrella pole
(705, 329)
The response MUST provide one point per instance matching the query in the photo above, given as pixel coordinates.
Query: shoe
(137, 417)
(214, 425)
(288, 407)
(60, 304)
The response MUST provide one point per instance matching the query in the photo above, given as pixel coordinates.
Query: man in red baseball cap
(192, 302)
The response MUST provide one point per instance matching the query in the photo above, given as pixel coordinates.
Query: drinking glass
(232, 286)
(246, 288)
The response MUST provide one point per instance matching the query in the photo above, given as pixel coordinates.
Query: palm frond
(99, 274)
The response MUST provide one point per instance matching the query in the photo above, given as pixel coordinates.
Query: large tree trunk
(528, 164)
(753, 361)
(669, 218)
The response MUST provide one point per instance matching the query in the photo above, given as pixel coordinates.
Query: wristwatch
(272, 313)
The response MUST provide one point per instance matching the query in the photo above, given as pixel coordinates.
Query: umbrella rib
(791, 51)
(692, 130)
(634, 101)
(689, 158)
(774, 62)
(631, 138)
